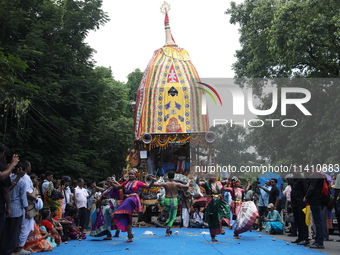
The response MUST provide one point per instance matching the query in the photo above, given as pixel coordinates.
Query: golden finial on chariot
(165, 8)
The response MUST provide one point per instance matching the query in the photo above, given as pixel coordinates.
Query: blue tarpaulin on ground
(186, 241)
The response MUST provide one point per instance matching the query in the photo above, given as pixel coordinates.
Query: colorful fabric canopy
(168, 100)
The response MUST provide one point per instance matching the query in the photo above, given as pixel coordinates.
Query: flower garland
(163, 140)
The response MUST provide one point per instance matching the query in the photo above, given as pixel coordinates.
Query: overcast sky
(136, 30)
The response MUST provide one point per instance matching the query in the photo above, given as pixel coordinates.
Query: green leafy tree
(133, 82)
(287, 38)
(292, 39)
(74, 118)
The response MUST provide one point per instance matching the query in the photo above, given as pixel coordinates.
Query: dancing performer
(216, 208)
(237, 195)
(107, 203)
(170, 201)
(122, 217)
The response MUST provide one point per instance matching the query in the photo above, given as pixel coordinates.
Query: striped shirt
(18, 198)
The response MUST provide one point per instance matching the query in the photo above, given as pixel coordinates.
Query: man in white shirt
(197, 221)
(81, 195)
(18, 209)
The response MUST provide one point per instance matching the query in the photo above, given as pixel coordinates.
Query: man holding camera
(5, 181)
(18, 210)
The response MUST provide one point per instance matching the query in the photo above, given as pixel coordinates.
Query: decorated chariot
(171, 127)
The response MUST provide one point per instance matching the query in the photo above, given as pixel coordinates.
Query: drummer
(170, 201)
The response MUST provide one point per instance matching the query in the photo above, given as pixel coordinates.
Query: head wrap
(271, 205)
(234, 179)
(135, 171)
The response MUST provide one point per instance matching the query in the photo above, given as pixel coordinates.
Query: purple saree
(122, 217)
(108, 205)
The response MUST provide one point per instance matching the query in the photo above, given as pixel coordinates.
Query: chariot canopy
(168, 100)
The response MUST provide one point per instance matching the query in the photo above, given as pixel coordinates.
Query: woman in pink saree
(122, 217)
(237, 195)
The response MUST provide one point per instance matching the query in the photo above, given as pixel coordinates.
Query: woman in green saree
(217, 210)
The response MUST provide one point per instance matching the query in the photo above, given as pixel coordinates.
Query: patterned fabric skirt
(104, 221)
(49, 202)
(246, 217)
(216, 211)
(122, 217)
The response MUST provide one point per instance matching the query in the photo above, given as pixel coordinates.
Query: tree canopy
(292, 39)
(282, 38)
(57, 109)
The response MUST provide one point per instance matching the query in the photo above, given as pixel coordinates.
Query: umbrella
(329, 178)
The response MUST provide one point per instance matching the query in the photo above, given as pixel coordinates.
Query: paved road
(332, 247)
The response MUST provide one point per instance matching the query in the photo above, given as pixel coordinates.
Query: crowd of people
(42, 213)
(37, 216)
(308, 206)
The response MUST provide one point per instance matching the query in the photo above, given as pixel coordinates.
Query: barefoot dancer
(107, 204)
(237, 194)
(123, 215)
(170, 201)
(216, 208)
